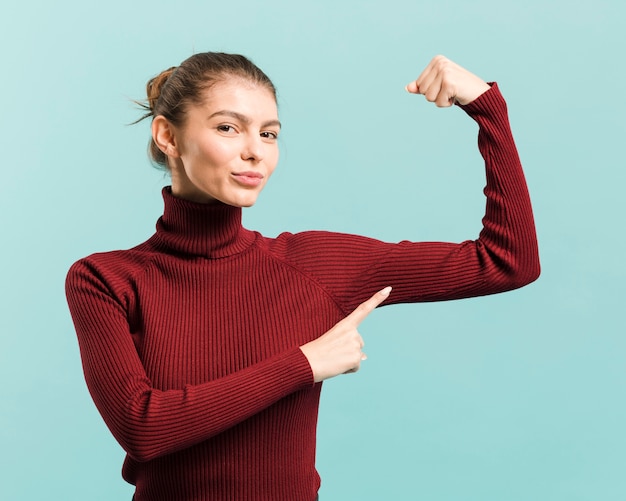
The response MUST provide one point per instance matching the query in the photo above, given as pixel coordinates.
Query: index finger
(366, 307)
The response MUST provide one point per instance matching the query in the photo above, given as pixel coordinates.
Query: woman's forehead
(240, 96)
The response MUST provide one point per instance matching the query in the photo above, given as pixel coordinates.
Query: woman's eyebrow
(243, 118)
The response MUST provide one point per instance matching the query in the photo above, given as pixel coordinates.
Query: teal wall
(514, 397)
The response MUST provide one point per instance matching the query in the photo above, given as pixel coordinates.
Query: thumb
(412, 87)
(366, 307)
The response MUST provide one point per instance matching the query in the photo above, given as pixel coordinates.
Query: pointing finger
(366, 307)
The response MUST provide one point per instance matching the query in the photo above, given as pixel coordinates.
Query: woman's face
(227, 149)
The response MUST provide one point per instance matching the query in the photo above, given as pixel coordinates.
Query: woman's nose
(252, 149)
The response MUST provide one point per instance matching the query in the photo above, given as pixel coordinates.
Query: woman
(205, 346)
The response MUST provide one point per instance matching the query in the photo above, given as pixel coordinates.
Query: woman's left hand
(444, 82)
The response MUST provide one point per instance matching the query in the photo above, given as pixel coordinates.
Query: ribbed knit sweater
(190, 340)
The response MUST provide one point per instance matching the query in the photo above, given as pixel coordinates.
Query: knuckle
(364, 308)
(440, 61)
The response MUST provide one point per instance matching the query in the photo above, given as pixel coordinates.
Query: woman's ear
(164, 137)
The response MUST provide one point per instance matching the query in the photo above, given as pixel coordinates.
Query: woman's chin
(245, 200)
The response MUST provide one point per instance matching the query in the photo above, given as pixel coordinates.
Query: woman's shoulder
(114, 267)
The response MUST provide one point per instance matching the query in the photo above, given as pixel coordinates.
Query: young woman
(204, 348)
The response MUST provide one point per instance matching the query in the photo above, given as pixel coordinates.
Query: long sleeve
(503, 257)
(149, 422)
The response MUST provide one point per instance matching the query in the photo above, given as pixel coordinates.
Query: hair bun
(154, 86)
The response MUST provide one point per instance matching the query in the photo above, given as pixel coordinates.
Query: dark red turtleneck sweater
(190, 341)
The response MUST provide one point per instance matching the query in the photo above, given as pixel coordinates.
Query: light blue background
(508, 398)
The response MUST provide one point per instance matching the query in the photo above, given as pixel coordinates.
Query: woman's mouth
(249, 179)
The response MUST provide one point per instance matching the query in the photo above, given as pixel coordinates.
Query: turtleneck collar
(209, 230)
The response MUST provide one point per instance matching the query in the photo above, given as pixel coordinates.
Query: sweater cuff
(489, 103)
(299, 368)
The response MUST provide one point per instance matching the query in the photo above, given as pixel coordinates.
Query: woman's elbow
(141, 453)
(523, 274)
(137, 445)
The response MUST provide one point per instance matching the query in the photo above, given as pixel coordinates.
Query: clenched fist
(444, 82)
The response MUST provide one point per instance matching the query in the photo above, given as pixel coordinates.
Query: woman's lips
(249, 179)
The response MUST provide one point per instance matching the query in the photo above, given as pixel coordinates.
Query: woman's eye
(229, 129)
(269, 135)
